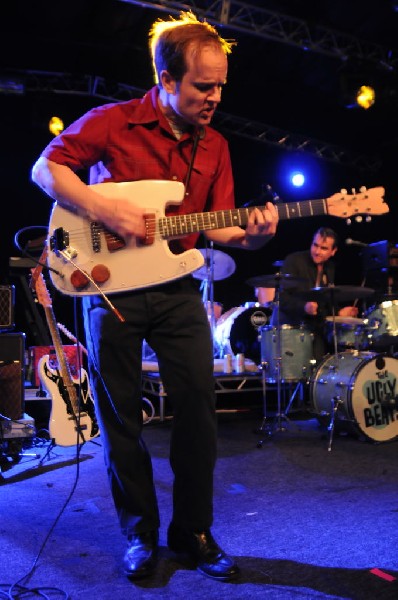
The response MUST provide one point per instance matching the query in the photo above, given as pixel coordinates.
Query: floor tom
(296, 362)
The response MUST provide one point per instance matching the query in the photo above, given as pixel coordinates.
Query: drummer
(315, 268)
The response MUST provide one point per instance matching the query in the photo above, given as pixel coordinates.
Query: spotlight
(297, 178)
(366, 96)
(359, 83)
(56, 125)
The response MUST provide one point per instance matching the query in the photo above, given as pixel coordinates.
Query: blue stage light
(297, 179)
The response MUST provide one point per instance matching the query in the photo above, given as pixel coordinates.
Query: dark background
(284, 102)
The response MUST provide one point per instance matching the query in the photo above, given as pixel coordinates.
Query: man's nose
(215, 95)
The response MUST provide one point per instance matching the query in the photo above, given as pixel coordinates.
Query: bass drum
(365, 385)
(238, 331)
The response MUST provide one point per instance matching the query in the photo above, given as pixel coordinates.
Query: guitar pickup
(59, 243)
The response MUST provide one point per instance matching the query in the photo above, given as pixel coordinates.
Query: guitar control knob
(100, 273)
(78, 280)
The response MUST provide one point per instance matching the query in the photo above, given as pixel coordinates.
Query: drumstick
(362, 285)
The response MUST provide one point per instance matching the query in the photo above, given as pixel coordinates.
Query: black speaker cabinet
(12, 375)
(7, 303)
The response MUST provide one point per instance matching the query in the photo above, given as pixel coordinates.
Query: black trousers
(174, 322)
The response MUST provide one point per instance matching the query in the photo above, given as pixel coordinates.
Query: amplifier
(20, 428)
(12, 375)
(7, 302)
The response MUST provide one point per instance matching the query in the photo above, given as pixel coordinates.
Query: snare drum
(238, 331)
(382, 323)
(296, 353)
(365, 384)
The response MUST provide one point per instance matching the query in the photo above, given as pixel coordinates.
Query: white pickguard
(62, 424)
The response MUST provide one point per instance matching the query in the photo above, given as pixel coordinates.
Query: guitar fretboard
(196, 222)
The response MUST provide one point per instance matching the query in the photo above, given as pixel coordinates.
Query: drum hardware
(336, 402)
(277, 281)
(218, 265)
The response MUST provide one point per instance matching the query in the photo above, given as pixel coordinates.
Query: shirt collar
(148, 112)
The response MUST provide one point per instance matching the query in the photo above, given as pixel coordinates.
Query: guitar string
(198, 221)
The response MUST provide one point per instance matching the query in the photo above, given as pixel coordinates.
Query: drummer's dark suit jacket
(293, 299)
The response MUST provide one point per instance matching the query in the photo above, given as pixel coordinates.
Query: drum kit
(354, 387)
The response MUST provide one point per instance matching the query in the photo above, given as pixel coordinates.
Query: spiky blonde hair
(169, 41)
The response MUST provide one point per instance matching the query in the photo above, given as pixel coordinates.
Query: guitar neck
(61, 358)
(197, 222)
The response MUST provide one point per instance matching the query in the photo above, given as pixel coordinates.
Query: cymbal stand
(334, 322)
(278, 361)
(335, 401)
(264, 427)
(207, 287)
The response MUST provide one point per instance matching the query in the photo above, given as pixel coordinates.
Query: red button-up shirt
(132, 140)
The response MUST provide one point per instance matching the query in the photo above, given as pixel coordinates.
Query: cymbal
(337, 293)
(219, 263)
(282, 279)
(345, 320)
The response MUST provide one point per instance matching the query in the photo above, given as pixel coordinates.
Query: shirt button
(174, 177)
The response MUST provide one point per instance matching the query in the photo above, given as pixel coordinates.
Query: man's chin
(205, 118)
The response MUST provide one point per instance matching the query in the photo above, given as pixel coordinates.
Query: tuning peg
(363, 189)
(368, 219)
(358, 219)
(353, 191)
(348, 221)
(343, 191)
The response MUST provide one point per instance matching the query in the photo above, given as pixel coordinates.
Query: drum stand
(280, 416)
(335, 401)
(207, 288)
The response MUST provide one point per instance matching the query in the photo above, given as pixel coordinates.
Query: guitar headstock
(42, 293)
(365, 202)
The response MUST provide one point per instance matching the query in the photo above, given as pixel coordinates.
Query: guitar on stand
(72, 418)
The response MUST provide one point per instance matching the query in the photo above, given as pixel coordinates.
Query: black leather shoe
(201, 546)
(141, 555)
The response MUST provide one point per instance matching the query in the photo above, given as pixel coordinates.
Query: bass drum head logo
(259, 319)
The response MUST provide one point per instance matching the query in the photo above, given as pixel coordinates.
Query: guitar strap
(200, 134)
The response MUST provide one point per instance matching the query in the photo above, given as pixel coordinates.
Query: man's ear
(168, 82)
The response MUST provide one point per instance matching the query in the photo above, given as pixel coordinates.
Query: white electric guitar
(84, 256)
(72, 418)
